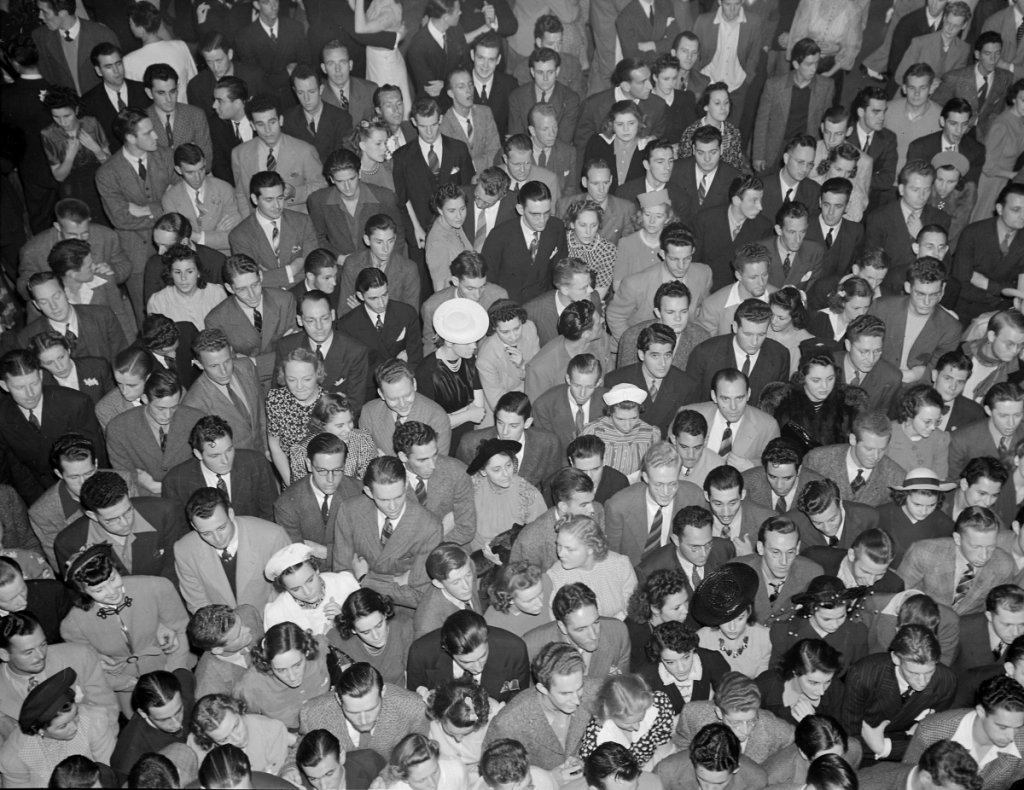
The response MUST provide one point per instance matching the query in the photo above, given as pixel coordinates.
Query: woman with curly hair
(661, 598)
(334, 413)
(518, 598)
(459, 711)
(371, 630)
(716, 105)
(850, 300)
(288, 669)
(375, 166)
(641, 249)
(186, 295)
(219, 720)
(290, 403)
(583, 556)
(804, 682)
(446, 238)
(75, 147)
(628, 713)
(917, 441)
(815, 411)
(305, 596)
(416, 764)
(676, 664)
(789, 322)
(583, 221)
(620, 143)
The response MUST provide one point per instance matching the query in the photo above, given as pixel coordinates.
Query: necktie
(780, 506)
(773, 596)
(433, 162)
(162, 434)
(271, 160)
(695, 579)
(169, 129)
(273, 36)
(533, 245)
(654, 536)
(789, 196)
(379, 324)
(914, 224)
(1004, 245)
(257, 321)
(787, 265)
(275, 238)
(856, 379)
(829, 238)
(964, 585)
(239, 404)
(33, 682)
(726, 446)
(543, 97)
(120, 102)
(312, 126)
(33, 420)
(319, 352)
(997, 652)
(364, 740)
(982, 93)
(200, 207)
(67, 36)
(70, 336)
(221, 484)
(579, 421)
(387, 532)
(702, 190)
(483, 94)
(867, 143)
(650, 14)
(226, 556)
(469, 129)
(142, 169)
(1020, 32)
(906, 695)
(653, 392)
(238, 132)
(833, 541)
(542, 160)
(858, 482)
(481, 232)
(342, 98)
(745, 370)
(734, 230)
(421, 491)
(325, 508)
(1004, 445)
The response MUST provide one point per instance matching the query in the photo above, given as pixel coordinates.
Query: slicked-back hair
(18, 362)
(264, 102)
(780, 451)
(736, 692)
(568, 481)
(1005, 596)
(572, 598)
(209, 625)
(584, 363)
(236, 88)
(610, 760)
(468, 264)
(368, 278)
(1001, 693)
(690, 422)
(807, 656)
(838, 186)
(411, 434)
(915, 167)
(385, 470)
(694, 516)
(673, 289)
(392, 370)
(17, 624)
(715, 747)
(238, 264)
(555, 658)
(162, 383)
(817, 496)
(949, 764)
(463, 632)
(818, 732)
(779, 524)
(445, 558)
(831, 772)
(916, 643)
(71, 447)
(505, 761)
(876, 544)
(1003, 392)
(873, 422)
(675, 234)
(743, 184)
(586, 446)
(204, 501)
(723, 478)
(980, 519)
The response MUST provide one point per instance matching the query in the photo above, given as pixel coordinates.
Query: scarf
(979, 349)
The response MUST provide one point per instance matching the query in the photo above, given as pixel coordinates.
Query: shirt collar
(271, 30)
(71, 324)
(852, 466)
(74, 30)
(435, 34)
(964, 735)
(266, 225)
(372, 314)
(211, 477)
(381, 518)
(740, 20)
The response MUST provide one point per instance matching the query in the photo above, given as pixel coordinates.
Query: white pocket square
(401, 336)
(339, 382)
(91, 383)
(806, 277)
(454, 170)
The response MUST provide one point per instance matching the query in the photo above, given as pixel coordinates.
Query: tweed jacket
(486, 143)
(402, 274)
(220, 211)
(755, 483)
(551, 412)
(773, 115)
(769, 735)
(297, 162)
(134, 445)
(884, 776)
(298, 512)
(278, 310)
(53, 64)
(417, 532)
(999, 773)
(542, 456)
(104, 244)
(626, 523)
(611, 656)
(190, 126)
(249, 431)
(930, 566)
(252, 487)
(830, 462)
(929, 49)
(401, 713)
(750, 438)
(962, 82)
(973, 441)
(347, 364)
(536, 543)
(677, 387)
(449, 498)
(433, 609)
(379, 420)
(99, 332)
(564, 99)
(692, 336)
(298, 239)
(332, 130)
(341, 232)
(506, 672)
(634, 298)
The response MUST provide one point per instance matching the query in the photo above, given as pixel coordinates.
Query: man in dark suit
(705, 171)
(572, 280)
(985, 636)
(823, 519)
(434, 50)
(666, 385)
(963, 82)
(275, 44)
(867, 563)
(246, 475)
(954, 123)
(949, 377)
(314, 121)
(494, 657)
(791, 182)
(521, 267)
(142, 530)
(632, 80)
(48, 600)
(722, 230)
(33, 417)
(215, 49)
(919, 22)
(170, 343)
(871, 137)
(861, 364)
(489, 203)
(544, 89)
(65, 43)
(556, 410)
(346, 360)
(658, 162)
(1004, 404)
(175, 122)
(692, 550)
(91, 374)
(840, 238)
(777, 481)
(748, 349)
(986, 264)
(491, 86)
(423, 164)
(343, 88)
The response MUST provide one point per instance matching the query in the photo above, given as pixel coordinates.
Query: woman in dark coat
(674, 663)
(804, 683)
(620, 143)
(815, 412)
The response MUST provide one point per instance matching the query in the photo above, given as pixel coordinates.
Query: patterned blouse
(286, 417)
(55, 143)
(624, 451)
(361, 450)
(655, 730)
(732, 144)
(599, 257)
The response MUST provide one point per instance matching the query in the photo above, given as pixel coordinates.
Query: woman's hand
(802, 709)
(72, 150)
(167, 638)
(332, 609)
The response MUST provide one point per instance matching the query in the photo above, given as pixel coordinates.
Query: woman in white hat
(305, 596)
(915, 512)
(626, 437)
(448, 376)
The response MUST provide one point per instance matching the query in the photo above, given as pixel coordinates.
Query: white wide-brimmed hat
(460, 320)
(285, 558)
(924, 479)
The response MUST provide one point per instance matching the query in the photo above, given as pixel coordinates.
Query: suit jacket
(96, 103)
(561, 162)
(858, 518)
(401, 713)
(978, 251)
(831, 559)
(943, 725)
(755, 483)
(543, 311)
(600, 146)
(505, 674)
(401, 332)
(536, 543)
(930, 144)
(133, 445)
(53, 64)
(611, 656)
(298, 239)
(882, 383)
(551, 412)
(837, 258)
(941, 333)
(884, 154)
(28, 449)
(509, 262)
(332, 131)
(379, 420)
(297, 162)
(249, 431)
(190, 126)
(715, 245)
(201, 577)
(332, 224)
(758, 429)
(975, 645)
(748, 48)
(873, 695)
(278, 310)
(415, 183)
(717, 352)
(99, 333)
(830, 462)
(506, 211)
(450, 498)
(502, 85)
(220, 210)
(347, 363)
(887, 229)
(252, 486)
(773, 116)
(542, 457)
(254, 46)
(974, 441)
(594, 111)
(964, 413)
(298, 512)
(1004, 22)
(486, 143)
(962, 82)
(360, 92)
(563, 99)
(769, 734)
(912, 25)
(200, 87)
(666, 558)
(222, 136)
(94, 377)
(634, 26)
(929, 566)
(928, 48)
(677, 387)
(807, 192)
(25, 116)
(805, 263)
(689, 339)
(626, 526)
(800, 574)
(416, 534)
(684, 175)
(426, 61)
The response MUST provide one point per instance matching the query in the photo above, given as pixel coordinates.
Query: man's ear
(91, 514)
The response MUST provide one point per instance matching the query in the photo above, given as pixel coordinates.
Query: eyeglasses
(329, 472)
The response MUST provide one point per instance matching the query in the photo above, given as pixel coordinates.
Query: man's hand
(874, 737)
(569, 770)
(515, 356)
(332, 609)
(353, 302)
(743, 545)
(296, 268)
(102, 268)
(760, 165)
(139, 211)
(802, 709)
(289, 191)
(914, 374)
(201, 11)
(319, 549)
(979, 280)
(646, 46)
(360, 566)
(475, 413)
(145, 480)
(433, 88)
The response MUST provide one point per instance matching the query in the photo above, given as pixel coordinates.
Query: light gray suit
(611, 656)
(634, 301)
(249, 432)
(930, 566)
(625, 517)
(486, 142)
(297, 240)
(297, 162)
(220, 211)
(278, 310)
(104, 243)
(379, 420)
(190, 126)
(940, 333)
(133, 445)
(749, 440)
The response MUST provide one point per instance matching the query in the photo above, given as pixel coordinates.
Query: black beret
(44, 702)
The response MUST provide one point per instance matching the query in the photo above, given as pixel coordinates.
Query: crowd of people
(488, 395)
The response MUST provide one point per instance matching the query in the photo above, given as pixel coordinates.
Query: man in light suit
(861, 469)
(572, 491)
(705, 169)
(153, 439)
(862, 365)
(175, 122)
(1003, 405)
(954, 123)
(131, 185)
(229, 388)
(942, 49)
(823, 519)
(385, 538)
(544, 89)
(605, 648)
(65, 42)
(254, 318)
(794, 260)
(597, 185)
(631, 79)
(638, 519)
(438, 482)
(963, 82)
(398, 401)
(671, 308)
(960, 570)
(343, 89)
(203, 199)
(572, 280)
(114, 92)
(554, 154)
(245, 475)
(379, 250)
(737, 431)
(309, 507)
(296, 161)
(782, 474)
(472, 124)
(314, 121)
(221, 561)
(564, 409)
(278, 239)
